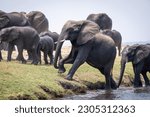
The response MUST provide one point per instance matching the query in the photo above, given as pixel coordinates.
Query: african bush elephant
(139, 55)
(38, 21)
(12, 19)
(46, 45)
(24, 38)
(116, 36)
(102, 19)
(88, 45)
(53, 35)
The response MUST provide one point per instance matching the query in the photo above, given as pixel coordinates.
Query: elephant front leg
(137, 70)
(82, 55)
(20, 54)
(67, 60)
(10, 49)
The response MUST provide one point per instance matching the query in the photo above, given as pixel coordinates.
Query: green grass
(26, 81)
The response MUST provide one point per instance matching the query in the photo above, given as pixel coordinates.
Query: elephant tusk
(62, 40)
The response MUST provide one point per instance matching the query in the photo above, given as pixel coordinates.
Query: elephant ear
(3, 22)
(87, 32)
(141, 53)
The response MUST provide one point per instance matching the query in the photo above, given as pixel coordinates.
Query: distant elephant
(53, 35)
(12, 19)
(46, 44)
(38, 21)
(88, 45)
(102, 19)
(24, 38)
(139, 55)
(116, 36)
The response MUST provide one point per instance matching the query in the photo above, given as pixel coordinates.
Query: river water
(122, 93)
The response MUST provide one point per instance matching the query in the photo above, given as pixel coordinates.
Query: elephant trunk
(58, 51)
(123, 63)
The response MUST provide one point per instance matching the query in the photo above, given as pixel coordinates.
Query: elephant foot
(107, 88)
(34, 62)
(138, 84)
(24, 61)
(61, 70)
(113, 85)
(68, 77)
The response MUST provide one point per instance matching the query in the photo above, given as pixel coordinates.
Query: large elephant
(38, 21)
(11, 19)
(139, 55)
(24, 38)
(102, 19)
(116, 36)
(46, 45)
(88, 45)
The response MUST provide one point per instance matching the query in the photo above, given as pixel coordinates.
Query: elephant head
(102, 19)
(135, 54)
(3, 22)
(8, 34)
(38, 21)
(78, 32)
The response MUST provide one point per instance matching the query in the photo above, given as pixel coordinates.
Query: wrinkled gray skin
(46, 45)
(116, 36)
(139, 55)
(102, 19)
(88, 45)
(11, 19)
(38, 21)
(24, 38)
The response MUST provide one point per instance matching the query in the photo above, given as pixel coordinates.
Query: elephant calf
(24, 38)
(46, 44)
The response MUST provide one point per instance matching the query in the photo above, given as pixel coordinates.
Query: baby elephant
(46, 45)
(24, 38)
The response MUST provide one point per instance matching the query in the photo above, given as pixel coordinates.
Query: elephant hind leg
(147, 83)
(107, 71)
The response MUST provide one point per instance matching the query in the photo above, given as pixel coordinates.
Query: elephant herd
(93, 41)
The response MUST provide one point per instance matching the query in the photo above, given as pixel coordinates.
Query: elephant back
(15, 19)
(102, 19)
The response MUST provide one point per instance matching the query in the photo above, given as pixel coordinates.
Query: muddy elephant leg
(81, 57)
(147, 83)
(137, 70)
(50, 54)
(67, 60)
(10, 49)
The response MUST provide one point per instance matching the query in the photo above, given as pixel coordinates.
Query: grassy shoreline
(26, 81)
